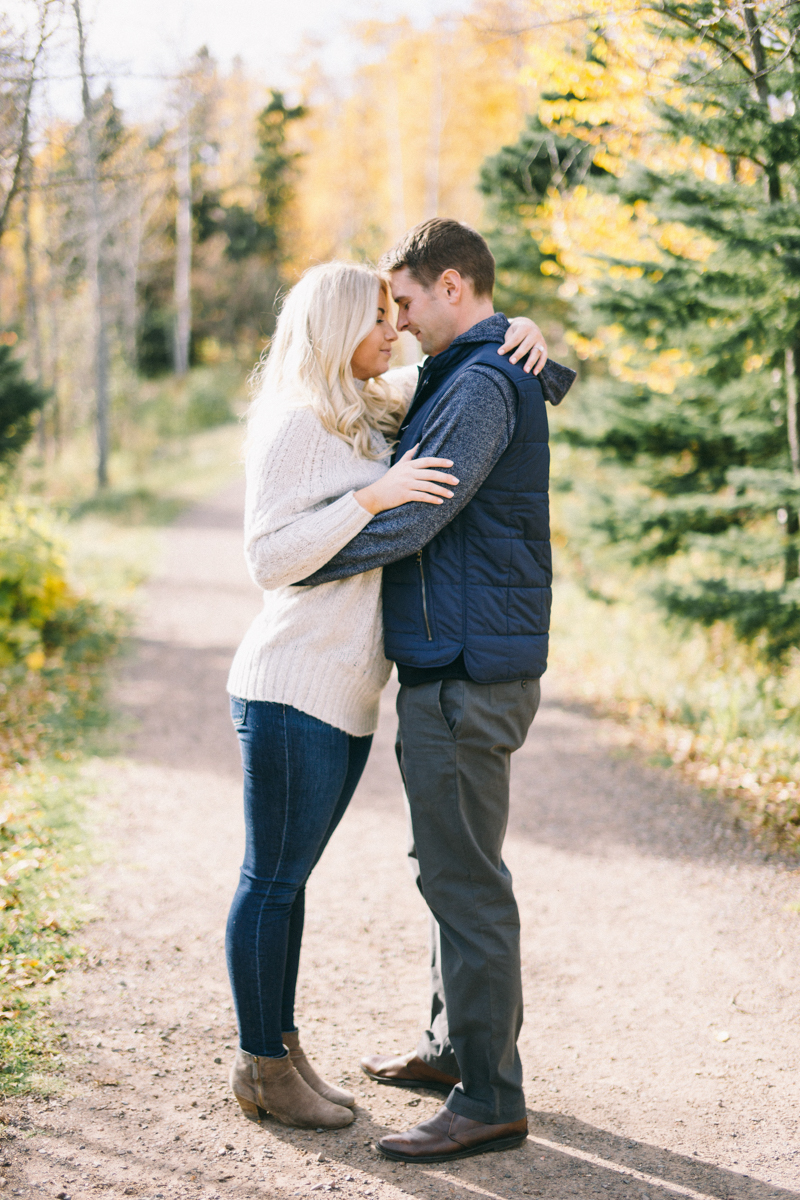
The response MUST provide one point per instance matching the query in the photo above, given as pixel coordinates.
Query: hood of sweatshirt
(554, 377)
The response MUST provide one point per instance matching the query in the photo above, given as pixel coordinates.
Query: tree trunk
(132, 264)
(183, 247)
(21, 149)
(762, 88)
(94, 244)
(791, 410)
(435, 123)
(791, 559)
(394, 149)
(33, 334)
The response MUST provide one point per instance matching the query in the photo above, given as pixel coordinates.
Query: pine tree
(20, 401)
(515, 181)
(261, 232)
(711, 448)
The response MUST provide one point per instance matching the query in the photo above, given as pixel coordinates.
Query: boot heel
(250, 1110)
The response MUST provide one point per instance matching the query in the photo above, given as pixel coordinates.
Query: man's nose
(402, 322)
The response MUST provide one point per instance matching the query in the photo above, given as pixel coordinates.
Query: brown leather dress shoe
(407, 1070)
(448, 1135)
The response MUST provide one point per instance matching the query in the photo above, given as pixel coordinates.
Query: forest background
(635, 169)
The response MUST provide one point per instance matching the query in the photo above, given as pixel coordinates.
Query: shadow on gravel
(636, 1168)
(562, 1157)
(574, 790)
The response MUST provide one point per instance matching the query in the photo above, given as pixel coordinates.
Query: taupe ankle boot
(272, 1085)
(303, 1067)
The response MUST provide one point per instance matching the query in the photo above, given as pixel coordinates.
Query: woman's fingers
(514, 334)
(536, 350)
(529, 345)
(523, 347)
(432, 462)
(537, 358)
(431, 496)
(423, 488)
(436, 476)
(428, 485)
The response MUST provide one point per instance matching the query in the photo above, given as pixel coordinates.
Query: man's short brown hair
(441, 244)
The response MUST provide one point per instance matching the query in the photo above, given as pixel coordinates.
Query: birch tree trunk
(33, 332)
(132, 261)
(183, 245)
(94, 245)
(435, 133)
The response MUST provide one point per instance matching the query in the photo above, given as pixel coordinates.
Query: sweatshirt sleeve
(292, 525)
(472, 425)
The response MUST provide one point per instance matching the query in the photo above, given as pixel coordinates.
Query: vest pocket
(424, 597)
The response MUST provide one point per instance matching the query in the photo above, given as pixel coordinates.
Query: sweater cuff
(354, 514)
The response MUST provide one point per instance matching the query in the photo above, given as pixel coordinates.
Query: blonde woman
(306, 680)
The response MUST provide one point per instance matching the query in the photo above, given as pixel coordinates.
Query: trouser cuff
(457, 1102)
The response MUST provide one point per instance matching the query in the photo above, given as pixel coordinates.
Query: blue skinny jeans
(299, 777)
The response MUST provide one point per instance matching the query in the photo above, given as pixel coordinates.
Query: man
(466, 615)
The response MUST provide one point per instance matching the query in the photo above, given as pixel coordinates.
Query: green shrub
(53, 641)
(208, 406)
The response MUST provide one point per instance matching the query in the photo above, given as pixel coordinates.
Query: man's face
(426, 312)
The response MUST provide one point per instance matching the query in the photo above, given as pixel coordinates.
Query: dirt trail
(660, 957)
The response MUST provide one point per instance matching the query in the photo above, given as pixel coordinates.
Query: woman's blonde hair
(325, 316)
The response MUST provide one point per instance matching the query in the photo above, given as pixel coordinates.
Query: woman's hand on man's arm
(409, 479)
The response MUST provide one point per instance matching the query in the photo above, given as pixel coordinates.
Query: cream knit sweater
(319, 649)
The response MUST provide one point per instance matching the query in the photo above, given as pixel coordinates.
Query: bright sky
(136, 41)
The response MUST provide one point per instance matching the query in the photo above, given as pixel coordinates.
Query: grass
(43, 851)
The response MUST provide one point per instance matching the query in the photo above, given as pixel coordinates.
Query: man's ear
(452, 284)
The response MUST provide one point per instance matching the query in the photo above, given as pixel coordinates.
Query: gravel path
(660, 956)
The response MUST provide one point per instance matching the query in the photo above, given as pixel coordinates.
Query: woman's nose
(391, 333)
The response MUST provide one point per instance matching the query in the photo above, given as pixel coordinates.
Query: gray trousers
(454, 746)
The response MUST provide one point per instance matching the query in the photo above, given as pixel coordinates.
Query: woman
(306, 680)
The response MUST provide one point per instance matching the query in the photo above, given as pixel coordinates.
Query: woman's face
(372, 355)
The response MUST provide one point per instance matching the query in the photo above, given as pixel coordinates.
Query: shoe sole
(431, 1086)
(254, 1112)
(509, 1143)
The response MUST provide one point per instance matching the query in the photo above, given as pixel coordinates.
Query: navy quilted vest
(483, 584)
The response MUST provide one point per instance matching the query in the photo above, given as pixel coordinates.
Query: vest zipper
(424, 598)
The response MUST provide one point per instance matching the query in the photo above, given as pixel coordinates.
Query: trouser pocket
(451, 703)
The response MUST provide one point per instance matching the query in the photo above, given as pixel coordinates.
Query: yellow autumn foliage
(52, 639)
(408, 140)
